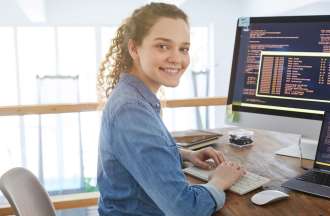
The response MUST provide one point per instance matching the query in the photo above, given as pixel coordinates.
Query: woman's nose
(174, 57)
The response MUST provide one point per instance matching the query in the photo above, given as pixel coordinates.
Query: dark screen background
(278, 35)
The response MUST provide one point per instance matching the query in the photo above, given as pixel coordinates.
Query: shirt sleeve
(219, 196)
(154, 162)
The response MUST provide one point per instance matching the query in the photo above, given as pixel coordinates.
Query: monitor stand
(308, 149)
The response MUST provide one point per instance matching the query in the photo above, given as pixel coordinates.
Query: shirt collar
(144, 91)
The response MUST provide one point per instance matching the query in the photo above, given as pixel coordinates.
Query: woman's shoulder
(124, 98)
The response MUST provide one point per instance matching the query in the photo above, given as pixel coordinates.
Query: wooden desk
(261, 159)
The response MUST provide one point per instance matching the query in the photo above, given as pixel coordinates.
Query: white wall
(11, 13)
(274, 7)
(65, 12)
(94, 12)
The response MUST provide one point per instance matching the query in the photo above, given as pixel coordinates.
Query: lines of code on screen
(283, 64)
(294, 75)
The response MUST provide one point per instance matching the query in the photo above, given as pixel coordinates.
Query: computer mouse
(268, 196)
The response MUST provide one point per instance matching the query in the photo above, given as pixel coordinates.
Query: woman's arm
(185, 154)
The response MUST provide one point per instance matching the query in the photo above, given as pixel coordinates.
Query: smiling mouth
(171, 71)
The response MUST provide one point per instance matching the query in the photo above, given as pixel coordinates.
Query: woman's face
(163, 56)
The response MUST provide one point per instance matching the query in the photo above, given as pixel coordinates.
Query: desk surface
(262, 160)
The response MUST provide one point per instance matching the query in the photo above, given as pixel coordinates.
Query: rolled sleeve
(219, 196)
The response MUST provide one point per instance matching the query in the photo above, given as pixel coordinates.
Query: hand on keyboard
(245, 184)
(226, 174)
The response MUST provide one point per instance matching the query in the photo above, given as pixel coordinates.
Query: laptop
(316, 181)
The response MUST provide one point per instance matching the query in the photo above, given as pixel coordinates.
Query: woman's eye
(163, 47)
(185, 50)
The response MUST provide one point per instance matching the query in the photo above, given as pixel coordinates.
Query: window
(28, 52)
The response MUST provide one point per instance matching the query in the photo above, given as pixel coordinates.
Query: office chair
(25, 194)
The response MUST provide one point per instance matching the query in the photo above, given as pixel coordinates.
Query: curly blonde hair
(136, 27)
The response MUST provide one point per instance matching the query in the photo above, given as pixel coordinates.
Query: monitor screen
(281, 66)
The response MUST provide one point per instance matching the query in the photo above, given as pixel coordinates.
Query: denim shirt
(139, 165)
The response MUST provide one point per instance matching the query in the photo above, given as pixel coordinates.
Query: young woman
(139, 167)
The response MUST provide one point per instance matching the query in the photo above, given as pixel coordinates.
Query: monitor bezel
(277, 19)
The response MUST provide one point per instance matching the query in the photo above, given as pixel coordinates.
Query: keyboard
(316, 177)
(247, 183)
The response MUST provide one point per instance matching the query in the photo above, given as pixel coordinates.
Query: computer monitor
(280, 77)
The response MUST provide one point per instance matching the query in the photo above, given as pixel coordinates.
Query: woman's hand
(225, 175)
(199, 157)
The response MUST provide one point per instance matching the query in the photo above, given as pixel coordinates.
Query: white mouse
(268, 196)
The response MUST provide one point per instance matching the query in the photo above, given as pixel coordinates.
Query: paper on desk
(293, 151)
